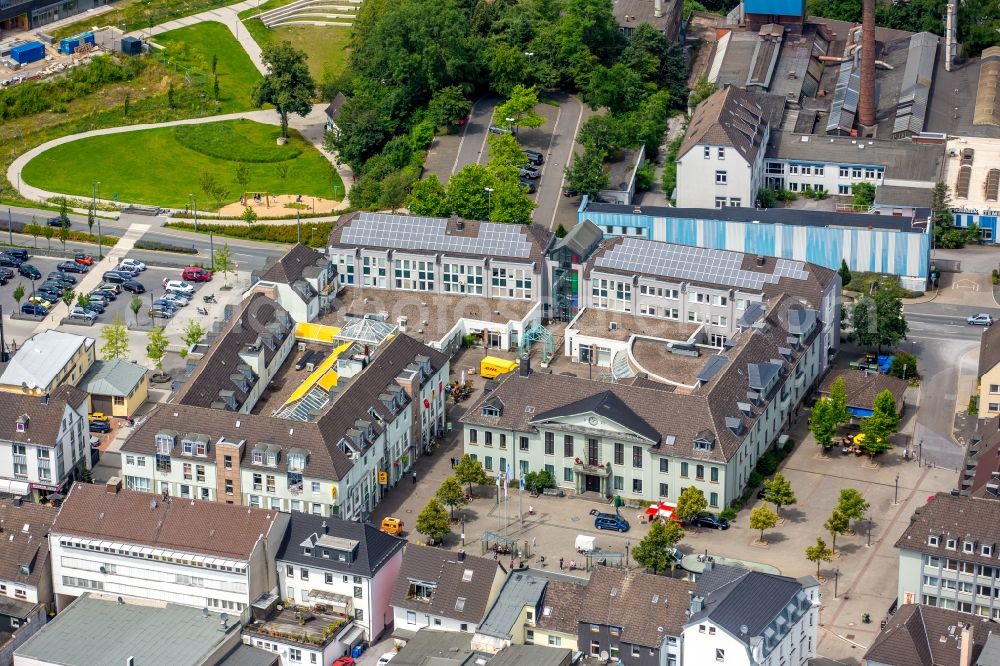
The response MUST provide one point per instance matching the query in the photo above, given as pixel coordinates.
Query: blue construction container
(27, 53)
(68, 45)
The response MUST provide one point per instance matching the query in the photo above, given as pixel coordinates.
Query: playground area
(279, 205)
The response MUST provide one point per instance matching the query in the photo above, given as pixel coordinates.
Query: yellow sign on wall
(383, 478)
(333, 491)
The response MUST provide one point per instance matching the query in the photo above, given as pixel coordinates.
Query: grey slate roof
(375, 548)
(607, 405)
(522, 588)
(918, 635)
(581, 239)
(94, 630)
(442, 568)
(292, 267)
(736, 597)
(430, 647)
(759, 375)
(30, 546)
(536, 655)
(117, 378)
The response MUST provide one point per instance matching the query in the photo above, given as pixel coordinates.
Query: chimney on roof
(950, 40)
(113, 485)
(696, 604)
(965, 649)
(325, 527)
(658, 8)
(524, 366)
(866, 104)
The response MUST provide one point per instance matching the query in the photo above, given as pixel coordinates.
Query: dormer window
(22, 423)
(705, 441)
(950, 544)
(490, 410)
(307, 551)
(968, 547)
(24, 569)
(164, 443)
(933, 540)
(296, 461)
(987, 551)
(258, 457)
(271, 459)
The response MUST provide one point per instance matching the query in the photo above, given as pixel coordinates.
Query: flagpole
(520, 491)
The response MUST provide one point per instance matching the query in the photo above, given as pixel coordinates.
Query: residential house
(103, 629)
(633, 617)
(700, 417)
(25, 572)
(918, 635)
(302, 281)
(721, 158)
(518, 608)
(443, 590)
(203, 554)
(988, 375)
(333, 112)
(442, 279)
(117, 387)
(555, 624)
(664, 15)
(980, 471)
(46, 361)
(335, 457)
(346, 566)
(452, 648)
(750, 618)
(862, 387)
(43, 441)
(948, 555)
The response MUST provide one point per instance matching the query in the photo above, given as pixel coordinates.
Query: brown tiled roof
(333, 110)
(733, 117)
(198, 526)
(561, 606)
(989, 350)
(289, 268)
(214, 372)
(980, 473)
(862, 388)
(963, 518)
(442, 568)
(918, 635)
(24, 540)
(638, 602)
(44, 417)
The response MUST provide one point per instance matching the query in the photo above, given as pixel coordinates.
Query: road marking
(562, 181)
(942, 316)
(548, 153)
(465, 130)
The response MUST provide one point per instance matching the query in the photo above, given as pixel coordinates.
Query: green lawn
(194, 46)
(326, 46)
(154, 167)
(140, 14)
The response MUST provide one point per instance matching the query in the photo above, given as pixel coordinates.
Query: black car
(6, 273)
(100, 426)
(18, 252)
(133, 286)
(107, 294)
(72, 267)
(570, 193)
(96, 307)
(528, 185)
(58, 222)
(710, 520)
(63, 277)
(9, 260)
(114, 277)
(534, 157)
(52, 292)
(529, 172)
(29, 271)
(34, 309)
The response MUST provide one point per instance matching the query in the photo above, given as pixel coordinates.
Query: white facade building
(302, 281)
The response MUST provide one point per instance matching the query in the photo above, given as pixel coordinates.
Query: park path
(228, 16)
(312, 127)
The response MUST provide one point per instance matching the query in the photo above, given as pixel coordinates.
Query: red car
(344, 661)
(195, 274)
(83, 259)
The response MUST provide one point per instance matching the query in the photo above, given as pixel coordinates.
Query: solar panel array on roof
(992, 184)
(912, 107)
(962, 184)
(431, 234)
(698, 264)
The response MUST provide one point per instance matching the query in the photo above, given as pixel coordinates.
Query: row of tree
(830, 412)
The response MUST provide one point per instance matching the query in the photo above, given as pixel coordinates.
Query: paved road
(472, 145)
(558, 149)
(947, 324)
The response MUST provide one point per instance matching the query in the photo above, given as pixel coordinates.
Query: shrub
(275, 233)
(787, 449)
(164, 247)
(644, 177)
(904, 366)
(973, 407)
(996, 276)
(224, 141)
(728, 514)
(767, 197)
(756, 478)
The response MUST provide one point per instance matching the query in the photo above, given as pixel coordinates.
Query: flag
(499, 474)
(506, 483)
(521, 483)
(427, 403)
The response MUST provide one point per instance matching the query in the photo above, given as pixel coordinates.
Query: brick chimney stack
(866, 104)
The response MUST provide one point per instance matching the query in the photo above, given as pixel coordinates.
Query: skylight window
(467, 576)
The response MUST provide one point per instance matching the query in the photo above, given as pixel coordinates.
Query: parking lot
(151, 279)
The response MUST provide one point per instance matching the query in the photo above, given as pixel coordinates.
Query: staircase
(312, 12)
(308, 405)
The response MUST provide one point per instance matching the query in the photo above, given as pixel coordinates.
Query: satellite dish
(104, 570)
(121, 602)
(604, 656)
(744, 629)
(224, 617)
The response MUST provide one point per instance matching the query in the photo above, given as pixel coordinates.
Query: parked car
(18, 252)
(710, 520)
(72, 267)
(529, 172)
(164, 303)
(176, 298)
(34, 309)
(82, 313)
(981, 319)
(133, 286)
(51, 294)
(534, 157)
(6, 273)
(496, 129)
(97, 306)
(385, 658)
(132, 264)
(610, 521)
(116, 277)
(178, 285)
(162, 313)
(111, 287)
(9, 260)
(391, 525)
(98, 416)
(196, 274)
(58, 222)
(39, 298)
(29, 271)
(100, 426)
(343, 661)
(63, 277)
(131, 272)
(179, 295)
(528, 185)
(83, 259)
(105, 293)
(570, 193)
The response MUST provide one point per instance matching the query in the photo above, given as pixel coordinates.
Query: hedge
(222, 141)
(163, 247)
(274, 233)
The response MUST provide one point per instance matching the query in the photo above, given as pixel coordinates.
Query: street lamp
(895, 496)
(627, 544)
(489, 201)
(510, 125)
(920, 453)
(194, 206)
(100, 238)
(869, 530)
(836, 574)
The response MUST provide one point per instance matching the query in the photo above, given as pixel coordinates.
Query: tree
(213, 188)
(778, 491)
(193, 334)
(904, 366)
(561, 231)
(845, 273)
(34, 230)
(586, 175)
(448, 105)
(655, 551)
(510, 202)
(836, 524)
(48, 232)
(83, 300)
(249, 216)
(690, 503)
(762, 518)
(703, 89)
(852, 504)
(536, 482)
(878, 321)
(288, 86)
(467, 194)
(433, 521)
(864, 195)
(115, 336)
(64, 235)
(135, 305)
(64, 212)
(394, 189)
(223, 262)
(242, 177)
(215, 62)
(90, 221)
(520, 109)
(876, 430)
(19, 294)
(505, 151)
(428, 197)
(451, 494)
(838, 402)
(157, 347)
(471, 472)
(822, 423)
(67, 297)
(819, 553)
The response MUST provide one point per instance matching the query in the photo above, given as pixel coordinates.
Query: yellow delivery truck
(491, 367)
